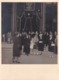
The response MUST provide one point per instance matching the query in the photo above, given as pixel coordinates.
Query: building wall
(51, 13)
(6, 17)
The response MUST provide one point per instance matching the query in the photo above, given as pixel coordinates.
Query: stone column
(13, 27)
(44, 17)
(43, 13)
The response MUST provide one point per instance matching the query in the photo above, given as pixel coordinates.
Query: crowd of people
(7, 37)
(33, 42)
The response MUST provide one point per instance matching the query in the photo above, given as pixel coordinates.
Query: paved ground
(45, 58)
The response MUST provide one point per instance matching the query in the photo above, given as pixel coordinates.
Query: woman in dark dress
(27, 45)
(40, 43)
(16, 48)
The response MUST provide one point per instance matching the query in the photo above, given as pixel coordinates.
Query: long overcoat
(27, 46)
(16, 47)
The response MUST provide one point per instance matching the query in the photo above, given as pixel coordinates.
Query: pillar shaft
(44, 13)
(42, 21)
(14, 26)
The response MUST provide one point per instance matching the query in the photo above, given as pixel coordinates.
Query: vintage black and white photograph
(29, 33)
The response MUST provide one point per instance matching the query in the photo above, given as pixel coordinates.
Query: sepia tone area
(36, 26)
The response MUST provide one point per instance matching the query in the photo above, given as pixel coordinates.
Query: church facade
(30, 17)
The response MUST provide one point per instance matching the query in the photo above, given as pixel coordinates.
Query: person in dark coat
(47, 39)
(40, 43)
(20, 41)
(44, 38)
(54, 35)
(55, 42)
(55, 45)
(51, 43)
(16, 48)
(23, 40)
(27, 45)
